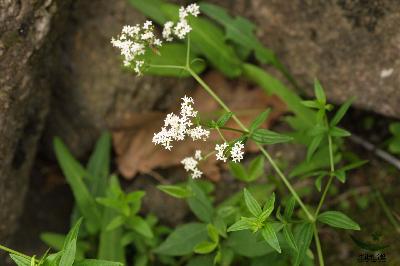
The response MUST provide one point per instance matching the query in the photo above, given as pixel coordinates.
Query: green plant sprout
(67, 256)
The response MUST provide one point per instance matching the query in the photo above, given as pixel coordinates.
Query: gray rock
(24, 97)
(353, 47)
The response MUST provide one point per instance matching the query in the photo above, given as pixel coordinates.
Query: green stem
(9, 250)
(220, 134)
(331, 176)
(318, 245)
(167, 66)
(263, 151)
(233, 129)
(188, 52)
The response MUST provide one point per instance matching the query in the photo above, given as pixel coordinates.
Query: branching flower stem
(318, 246)
(245, 129)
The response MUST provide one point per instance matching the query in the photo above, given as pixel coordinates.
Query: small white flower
(182, 13)
(220, 148)
(190, 165)
(147, 25)
(167, 31)
(147, 35)
(157, 42)
(138, 66)
(181, 29)
(187, 108)
(133, 42)
(197, 173)
(199, 133)
(177, 127)
(237, 152)
(193, 9)
(197, 155)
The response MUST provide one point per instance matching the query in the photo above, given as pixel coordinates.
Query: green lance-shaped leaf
(115, 223)
(265, 136)
(353, 165)
(256, 169)
(341, 176)
(134, 199)
(303, 239)
(98, 166)
(238, 171)
(314, 145)
(74, 174)
(243, 224)
(248, 244)
(290, 204)
(338, 132)
(53, 259)
(183, 240)
(68, 254)
(270, 237)
(338, 219)
(110, 245)
(319, 92)
(311, 104)
(200, 204)
(213, 233)
(289, 237)
(268, 208)
(72, 234)
(341, 112)
(251, 203)
(175, 191)
(205, 247)
(20, 261)
(318, 182)
(259, 120)
(241, 31)
(224, 119)
(69, 247)
(115, 204)
(92, 262)
(138, 224)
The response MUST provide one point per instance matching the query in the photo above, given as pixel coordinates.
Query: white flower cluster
(177, 127)
(182, 27)
(133, 42)
(191, 164)
(236, 152)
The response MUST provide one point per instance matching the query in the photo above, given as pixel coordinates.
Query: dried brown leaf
(132, 136)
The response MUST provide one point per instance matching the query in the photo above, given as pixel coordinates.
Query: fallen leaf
(132, 135)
